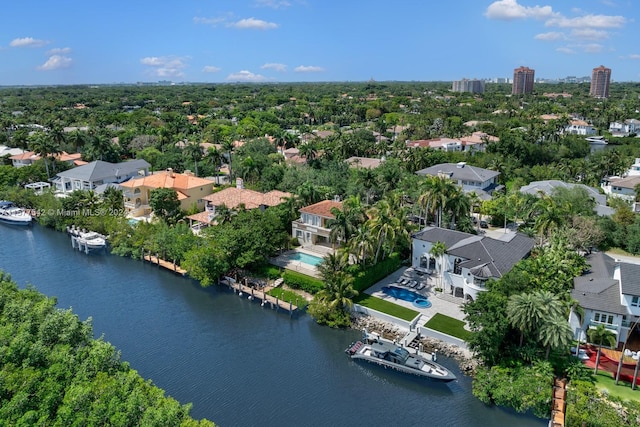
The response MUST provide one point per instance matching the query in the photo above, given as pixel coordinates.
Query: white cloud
(634, 56)
(274, 4)
(28, 42)
(56, 62)
(281, 68)
(165, 66)
(211, 69)
(566, 50)
(550, 36)
(209, 21)
(589, 34)
(510, 9)
(308, 69)
(591, 48)
(587, 21)
(246, 76)
(253, 24)
(59, 51)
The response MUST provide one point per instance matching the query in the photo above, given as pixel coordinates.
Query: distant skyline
(79, 42)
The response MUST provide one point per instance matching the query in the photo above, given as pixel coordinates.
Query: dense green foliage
(302, 281)
(366, 277)
(52, 371)
(523, 388)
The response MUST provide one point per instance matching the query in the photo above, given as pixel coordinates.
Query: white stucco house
(579, 127)
(470, 178)
(609, 294)
(91, 175)
(470, 260)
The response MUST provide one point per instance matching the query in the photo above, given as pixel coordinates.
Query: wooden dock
(171, 266)
(262, 295)
(559, 403)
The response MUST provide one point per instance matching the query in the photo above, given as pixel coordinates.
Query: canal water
(240, 364)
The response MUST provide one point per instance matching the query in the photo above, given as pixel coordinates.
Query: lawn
(605, 380)
(448, 325)
(287, 295)
(389, 308)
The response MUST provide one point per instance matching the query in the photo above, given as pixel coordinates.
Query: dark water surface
(239, 364)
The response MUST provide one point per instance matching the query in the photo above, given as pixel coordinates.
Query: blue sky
(117, 41)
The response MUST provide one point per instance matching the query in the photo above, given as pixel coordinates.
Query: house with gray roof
(94, 174)
(609, 294)
(547, 188)
(470, 260)
(470, 178)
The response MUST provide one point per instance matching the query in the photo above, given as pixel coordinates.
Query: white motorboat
(388, 354)
(12, 214)
(86, 240)
(597, 140)
(92, 240)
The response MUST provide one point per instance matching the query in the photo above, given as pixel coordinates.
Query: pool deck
(440, 303)
(285, 260)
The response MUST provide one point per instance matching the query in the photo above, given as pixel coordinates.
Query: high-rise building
(523, 78)
(467, 85)
(600, 78)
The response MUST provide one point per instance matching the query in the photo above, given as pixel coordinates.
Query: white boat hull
(14, 215)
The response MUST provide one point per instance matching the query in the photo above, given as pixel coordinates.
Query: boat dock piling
(171, 266)
(261, 294)
(76, 242)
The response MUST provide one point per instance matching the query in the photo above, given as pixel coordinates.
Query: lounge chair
(420, 287)
(403, 281)
(413, 283)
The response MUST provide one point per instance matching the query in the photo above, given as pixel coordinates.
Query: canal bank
(240, 364)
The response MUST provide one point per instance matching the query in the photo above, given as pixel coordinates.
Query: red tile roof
(322, 208)
(233, 197)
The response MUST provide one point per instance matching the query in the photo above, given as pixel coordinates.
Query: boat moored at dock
(86, 240)
(375, 349)
(12, 214)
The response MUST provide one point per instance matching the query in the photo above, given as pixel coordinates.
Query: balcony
(610, 326)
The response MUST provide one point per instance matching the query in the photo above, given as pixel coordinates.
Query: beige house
(312, 228)
(191, 190)
(233, 198)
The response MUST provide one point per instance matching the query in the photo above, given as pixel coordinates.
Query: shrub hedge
(363, 279)
(301, 281)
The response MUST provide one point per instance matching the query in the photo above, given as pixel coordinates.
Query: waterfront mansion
(470, 260)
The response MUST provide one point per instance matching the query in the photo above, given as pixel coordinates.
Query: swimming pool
(306, 258)
(407, 295)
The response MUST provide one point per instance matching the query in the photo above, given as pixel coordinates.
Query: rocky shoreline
(464, 357)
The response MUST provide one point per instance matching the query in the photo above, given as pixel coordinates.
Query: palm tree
(215, 158)
(555, 332)
(227, 147)
(361, 244)
(601, 335)
(193, 151)
(550, 216)
(45, 147)
(383, 225)
(338, 292)
(333, 264)
(78, 139)
(309, 151)
(438, 250)
(308, 193)
(436, 192)
(525, 312)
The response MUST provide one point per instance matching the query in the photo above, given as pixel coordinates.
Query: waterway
(240, 364)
